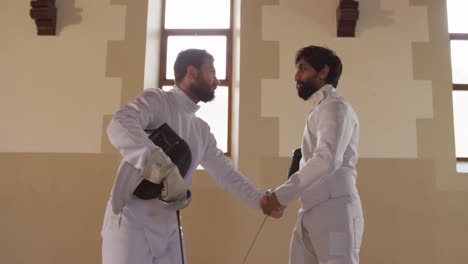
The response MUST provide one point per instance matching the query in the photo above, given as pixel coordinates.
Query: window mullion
(458, 36)
(460, 87)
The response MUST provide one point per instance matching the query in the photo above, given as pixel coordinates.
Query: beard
(306, 89)
(203, 90)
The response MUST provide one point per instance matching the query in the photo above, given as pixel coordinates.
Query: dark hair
(194, 57)
(318, 57)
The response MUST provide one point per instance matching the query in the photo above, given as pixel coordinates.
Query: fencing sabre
(255, 238)
(268, 192)
(293, 168)
(180, 237)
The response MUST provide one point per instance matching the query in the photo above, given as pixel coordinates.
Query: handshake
(270, 205)
(269, 202)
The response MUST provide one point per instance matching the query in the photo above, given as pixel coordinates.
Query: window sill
(462, 166)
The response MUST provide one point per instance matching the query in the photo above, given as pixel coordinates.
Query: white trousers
(132, 238)
(329, 233)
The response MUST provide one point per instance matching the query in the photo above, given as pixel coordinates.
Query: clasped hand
(270, 205)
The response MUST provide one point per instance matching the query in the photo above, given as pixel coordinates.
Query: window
(202, 24)
(458, 30)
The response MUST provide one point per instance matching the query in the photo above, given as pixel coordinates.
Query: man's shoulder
(154, 92)
(155, 95)
(202, 123)
(334, 99)
(336, 103)
(203, 127)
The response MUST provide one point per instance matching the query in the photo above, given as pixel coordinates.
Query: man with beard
(146, 231)
(330, 221)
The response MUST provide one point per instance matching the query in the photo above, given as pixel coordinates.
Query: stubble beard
(203, 90)
(305, 89)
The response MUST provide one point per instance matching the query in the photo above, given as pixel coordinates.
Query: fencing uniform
(145, 231)
(329, 227)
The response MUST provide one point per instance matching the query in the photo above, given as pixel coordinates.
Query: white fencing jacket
(329, 152)
(151, 109)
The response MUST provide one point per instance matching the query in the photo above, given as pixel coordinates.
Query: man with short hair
(146, 231)
(330, 222)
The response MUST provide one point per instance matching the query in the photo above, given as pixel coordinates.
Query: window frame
(227, 81)
(458, 86)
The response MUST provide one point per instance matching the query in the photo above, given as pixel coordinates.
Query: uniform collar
(323, 92)
(184, 102)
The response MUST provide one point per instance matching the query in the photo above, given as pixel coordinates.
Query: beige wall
(57, 86)
(368, 60)
(61, 90)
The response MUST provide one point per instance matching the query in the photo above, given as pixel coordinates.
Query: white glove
(174, 187)
(161, 170)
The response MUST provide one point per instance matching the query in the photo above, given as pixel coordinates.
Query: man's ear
(324, 72)
(192, 72)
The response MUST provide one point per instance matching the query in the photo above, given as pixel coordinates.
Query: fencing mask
(179, 153)
(295, 160)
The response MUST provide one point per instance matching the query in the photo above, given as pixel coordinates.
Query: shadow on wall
(309, 10)
(371, 16)
(67, 14)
